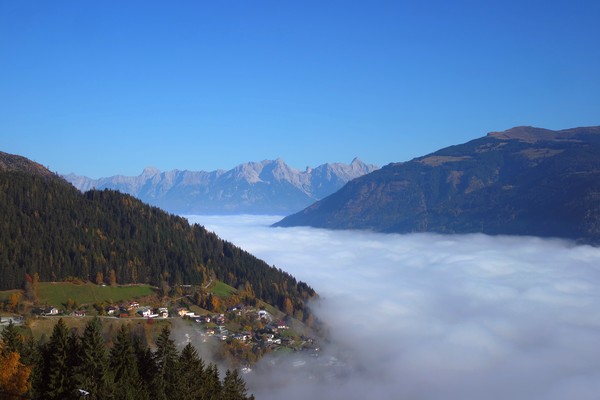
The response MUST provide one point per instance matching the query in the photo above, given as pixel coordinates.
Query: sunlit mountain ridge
(266, 187)
(523, 181)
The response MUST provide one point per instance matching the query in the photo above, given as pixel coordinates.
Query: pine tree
(234, 387)
(55, 377)
(211, 390)
(145, 361)
(91, 373)
(192, 374)
(165, 358)
(123, 366)
(11, 340)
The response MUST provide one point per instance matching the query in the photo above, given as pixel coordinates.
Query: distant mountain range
(267, 187)
(523, 181)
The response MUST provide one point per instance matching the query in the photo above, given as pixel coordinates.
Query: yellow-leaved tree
(14, 375)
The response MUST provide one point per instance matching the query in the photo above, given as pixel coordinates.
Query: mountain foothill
(51, 229)
(522, 181)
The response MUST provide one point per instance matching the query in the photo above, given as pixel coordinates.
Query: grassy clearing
(148, 329)
(57, 294)
(223, 290)
(5, 294)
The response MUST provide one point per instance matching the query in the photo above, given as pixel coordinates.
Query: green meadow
(223, 290)
(57, 293)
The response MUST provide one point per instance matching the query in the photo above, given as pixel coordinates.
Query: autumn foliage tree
(14, 376)
(288, 307)
(112, 278)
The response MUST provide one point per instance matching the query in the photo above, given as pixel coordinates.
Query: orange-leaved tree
(14, 375)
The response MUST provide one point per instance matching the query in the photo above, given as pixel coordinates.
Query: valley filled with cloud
(425, 316)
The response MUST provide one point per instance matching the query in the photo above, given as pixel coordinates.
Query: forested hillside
(77, 365)
(523, 181)
(50, 228)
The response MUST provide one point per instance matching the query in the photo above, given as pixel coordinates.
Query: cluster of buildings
(133, 309)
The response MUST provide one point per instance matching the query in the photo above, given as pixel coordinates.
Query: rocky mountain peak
(150, 171)
(269, 186)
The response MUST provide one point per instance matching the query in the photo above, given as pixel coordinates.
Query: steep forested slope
(49, 227)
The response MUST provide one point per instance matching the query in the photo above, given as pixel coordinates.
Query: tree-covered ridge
(73, 365)
(51, 229)
(523, 181)
(11, 162)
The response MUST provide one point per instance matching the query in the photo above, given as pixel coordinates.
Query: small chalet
(281, 325)
(182, 311)
(49, 311)
(237, 309)
(242, 337)
(264, 315)
(145, 312)
(111, 310)
(163, 312)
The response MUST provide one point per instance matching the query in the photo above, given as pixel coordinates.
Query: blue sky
(105, 88)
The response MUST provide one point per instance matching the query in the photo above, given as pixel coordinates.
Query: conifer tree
(165, 358)
(55, 377)
(192, 374)
(91, 372)
(212, 383)
(11, 340)
(234, 387)
(145, 361)
(123, 366)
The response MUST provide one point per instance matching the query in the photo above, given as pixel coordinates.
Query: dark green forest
(50, 228)
(79, 365)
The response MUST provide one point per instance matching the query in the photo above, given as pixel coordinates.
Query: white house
(145, 312)
(182, 311)
(51, 311)
(163, 312)
(111, 310)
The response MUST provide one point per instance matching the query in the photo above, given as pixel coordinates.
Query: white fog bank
(426, 316)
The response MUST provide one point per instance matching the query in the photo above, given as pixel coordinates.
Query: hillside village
(243, 332)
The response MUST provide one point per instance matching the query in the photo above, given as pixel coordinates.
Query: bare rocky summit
(266, 187)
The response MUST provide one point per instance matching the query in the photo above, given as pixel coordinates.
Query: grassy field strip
(223, 290)
(57, 294)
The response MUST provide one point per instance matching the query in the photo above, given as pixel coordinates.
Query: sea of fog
(426, 316)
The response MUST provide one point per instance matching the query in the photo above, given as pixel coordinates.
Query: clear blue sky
(108, 87)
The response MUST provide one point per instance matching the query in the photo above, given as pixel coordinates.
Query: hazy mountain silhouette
(267, 187)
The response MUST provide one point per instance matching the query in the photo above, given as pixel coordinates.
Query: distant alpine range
(523, 181)
(267, 187)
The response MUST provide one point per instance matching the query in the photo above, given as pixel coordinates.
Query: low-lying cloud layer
(428, 317)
